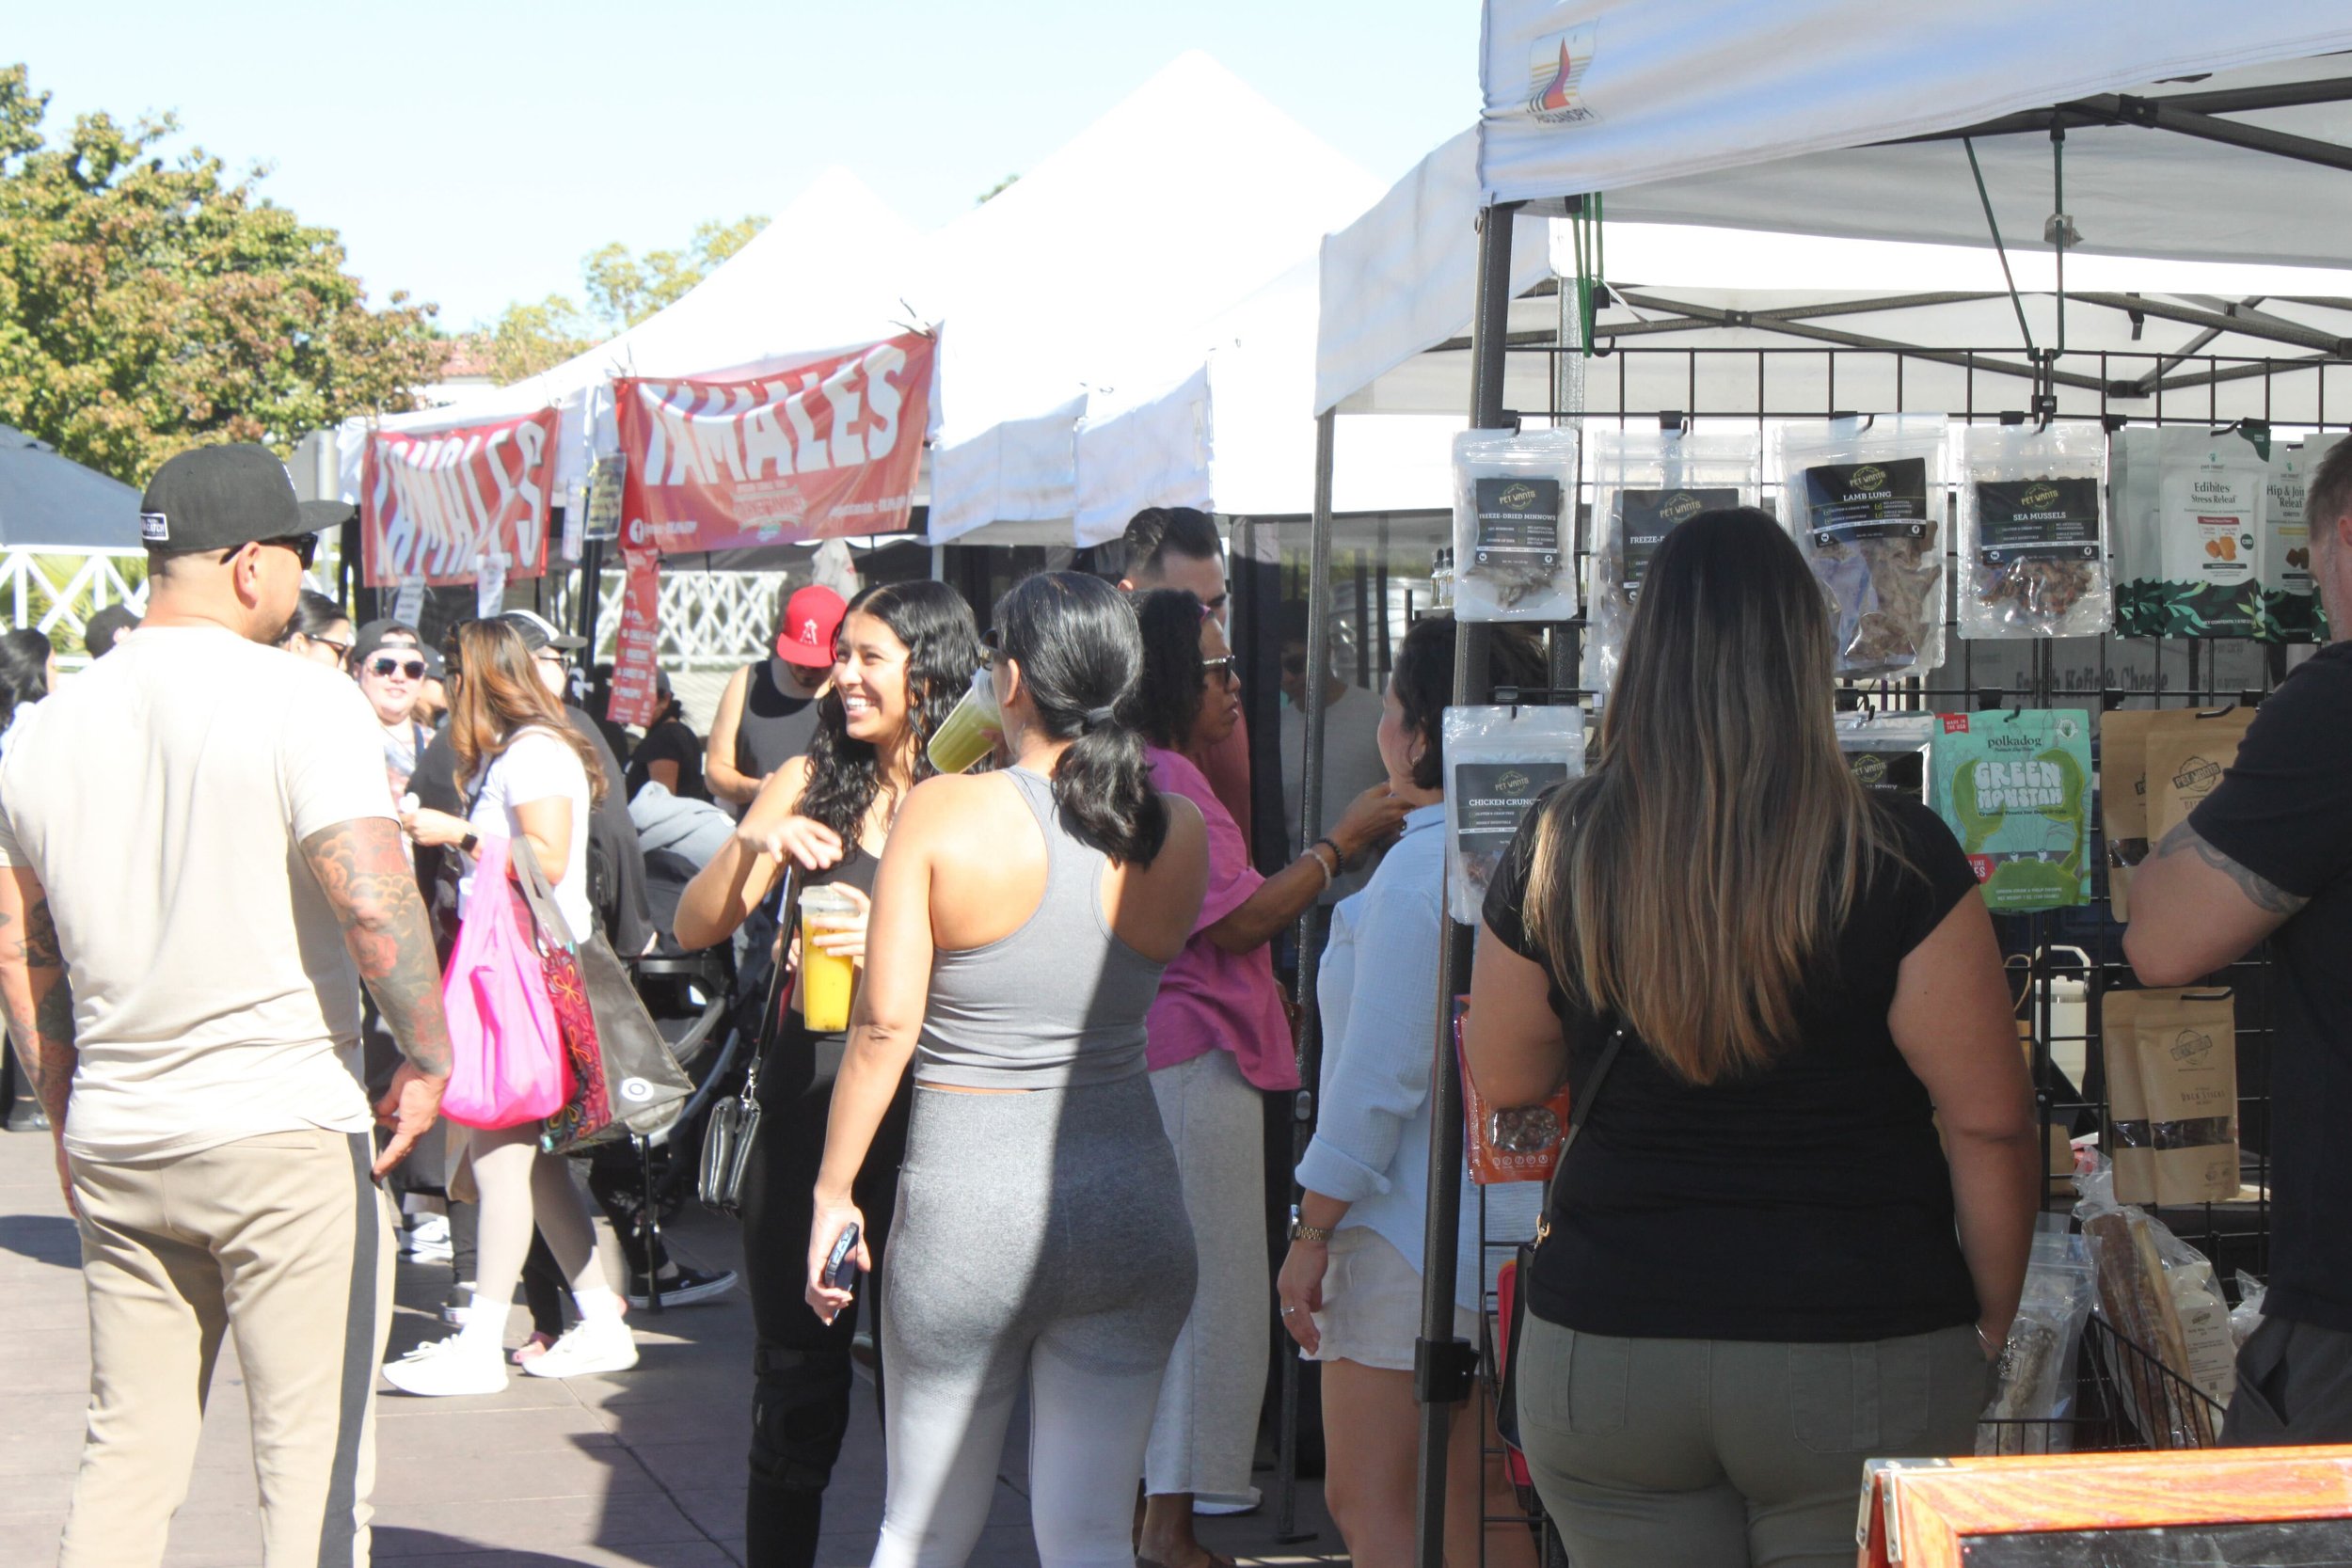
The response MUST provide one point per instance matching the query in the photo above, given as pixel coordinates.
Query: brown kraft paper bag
(2123, 799)
(2187, 752)
(2187, 1047)
(2134, 1153)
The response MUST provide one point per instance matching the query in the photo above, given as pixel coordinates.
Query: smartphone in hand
(841, 1262)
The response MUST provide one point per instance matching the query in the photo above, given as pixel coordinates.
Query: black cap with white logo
(217, 499)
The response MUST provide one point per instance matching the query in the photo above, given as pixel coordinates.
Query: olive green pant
(1724, 1453)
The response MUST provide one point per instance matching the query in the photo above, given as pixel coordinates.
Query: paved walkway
(645, 1468)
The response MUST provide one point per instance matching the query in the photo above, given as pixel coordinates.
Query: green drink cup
(970, 732)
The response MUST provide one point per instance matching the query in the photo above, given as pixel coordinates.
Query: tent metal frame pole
(1444, 1366)
(1311, 926)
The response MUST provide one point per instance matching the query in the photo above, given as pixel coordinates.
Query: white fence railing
(709, 620)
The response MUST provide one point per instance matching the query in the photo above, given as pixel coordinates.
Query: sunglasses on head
(386, 667)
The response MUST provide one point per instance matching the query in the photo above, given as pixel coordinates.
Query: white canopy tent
(1092, 289)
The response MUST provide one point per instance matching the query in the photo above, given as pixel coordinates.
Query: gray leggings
(1724, 1453)
(1041, 1239)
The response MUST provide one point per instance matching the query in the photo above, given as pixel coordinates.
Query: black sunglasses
(385, 665)
(1225, 669)
(305, 547)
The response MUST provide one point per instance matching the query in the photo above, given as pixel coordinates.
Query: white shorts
(1371, 1304)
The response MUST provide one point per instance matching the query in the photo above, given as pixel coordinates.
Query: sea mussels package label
(1645, 518)
(2015, 787)
(1846, 501)
(1519, 519)
(2054, 519)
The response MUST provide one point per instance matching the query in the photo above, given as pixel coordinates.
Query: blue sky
(472, 153)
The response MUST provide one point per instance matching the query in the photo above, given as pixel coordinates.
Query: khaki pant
(1730, 1453)
(284, 1241)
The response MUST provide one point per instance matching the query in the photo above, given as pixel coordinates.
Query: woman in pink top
(1219, 1036)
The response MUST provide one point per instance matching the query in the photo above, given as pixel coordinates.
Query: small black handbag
(1523, 1263)
(734, 1121)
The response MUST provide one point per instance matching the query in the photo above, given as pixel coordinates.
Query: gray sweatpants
(1725, 1454)
(1041, 1239)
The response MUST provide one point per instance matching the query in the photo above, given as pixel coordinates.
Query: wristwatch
(1302, 1232)
(471, 842)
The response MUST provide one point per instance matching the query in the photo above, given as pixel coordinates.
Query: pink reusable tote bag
(506, 1054)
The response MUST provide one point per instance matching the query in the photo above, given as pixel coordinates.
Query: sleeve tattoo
(2259, 892)
(364, 868)
(39, 1001)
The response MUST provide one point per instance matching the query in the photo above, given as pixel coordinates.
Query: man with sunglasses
(1177, 546)
(199, 868)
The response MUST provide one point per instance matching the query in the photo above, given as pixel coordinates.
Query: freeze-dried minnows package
(1514, 525)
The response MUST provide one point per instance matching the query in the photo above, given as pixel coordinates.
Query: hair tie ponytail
(1099, 718)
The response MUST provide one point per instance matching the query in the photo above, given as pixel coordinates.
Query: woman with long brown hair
(527, 775)
(1769, 988)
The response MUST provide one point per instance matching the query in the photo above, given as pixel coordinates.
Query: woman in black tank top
(903, 657)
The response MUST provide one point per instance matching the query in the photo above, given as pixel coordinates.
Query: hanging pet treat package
(2015, 787)
(2188, 750)
(1888, 751)
(1866, 499)
(1514, 525)
(2032, 533)
(1497, 761)
(2123, 799)
(2191, 513)
(1645, 482)
(2288, 592)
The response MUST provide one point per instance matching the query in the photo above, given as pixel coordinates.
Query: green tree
(528, 338)
(152, 300)
(624, 289)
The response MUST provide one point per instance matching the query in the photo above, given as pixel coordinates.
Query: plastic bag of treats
(1645, 483)
(1866, 498)
(1514, 525)
(2033, 546)
(1497, 760)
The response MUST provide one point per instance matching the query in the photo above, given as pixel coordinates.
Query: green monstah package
(2016, 787)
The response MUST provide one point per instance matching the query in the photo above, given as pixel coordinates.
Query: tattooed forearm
(364, 869)
(2263, 894)
(35, 994)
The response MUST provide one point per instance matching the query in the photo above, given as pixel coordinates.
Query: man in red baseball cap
(768, 714)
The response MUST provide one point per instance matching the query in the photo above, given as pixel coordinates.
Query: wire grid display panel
(2061, 963)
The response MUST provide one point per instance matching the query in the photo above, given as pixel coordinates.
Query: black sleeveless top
(776, 725)
(798, 1059)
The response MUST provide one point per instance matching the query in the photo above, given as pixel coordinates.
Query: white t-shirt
(536, 766)
(1351, 764)
(162, 797)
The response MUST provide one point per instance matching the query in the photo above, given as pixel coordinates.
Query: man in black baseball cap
(233, 508)
(201, 867)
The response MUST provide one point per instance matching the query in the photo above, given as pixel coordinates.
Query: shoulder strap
(1577, 1118)
(779, 995)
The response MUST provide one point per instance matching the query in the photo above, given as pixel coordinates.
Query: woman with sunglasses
(388, 663)
(903, 656)
(1220, 1039)
(528, 775)
(320, 631)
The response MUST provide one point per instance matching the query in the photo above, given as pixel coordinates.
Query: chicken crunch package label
(2015, 787)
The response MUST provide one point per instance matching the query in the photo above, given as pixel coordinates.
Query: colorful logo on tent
(1555, 76)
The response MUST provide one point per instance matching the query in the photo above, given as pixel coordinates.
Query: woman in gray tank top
(1021, 922)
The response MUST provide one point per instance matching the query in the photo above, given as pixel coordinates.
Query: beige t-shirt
(162, 796)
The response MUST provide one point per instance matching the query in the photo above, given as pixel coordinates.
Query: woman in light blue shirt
(1350, 1285)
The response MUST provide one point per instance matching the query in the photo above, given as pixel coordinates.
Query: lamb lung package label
(2015, 787)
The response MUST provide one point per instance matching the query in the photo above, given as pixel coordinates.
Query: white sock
(597, 1303)
(486, 1325)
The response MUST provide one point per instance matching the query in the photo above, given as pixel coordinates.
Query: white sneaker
(449, 1366)
(585, 1348)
